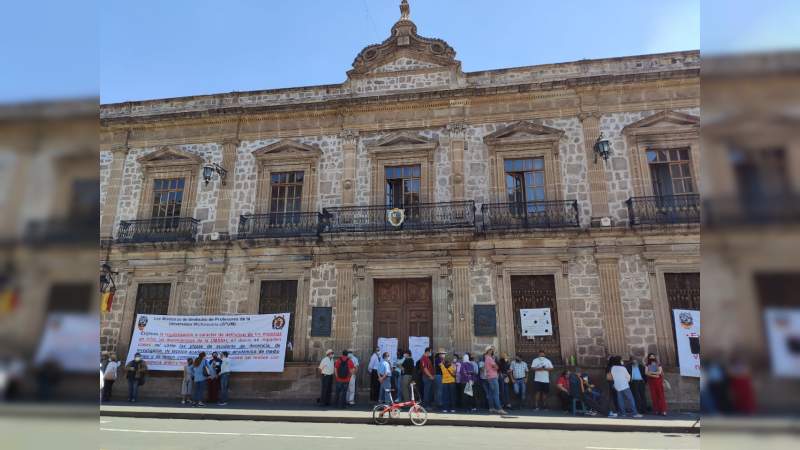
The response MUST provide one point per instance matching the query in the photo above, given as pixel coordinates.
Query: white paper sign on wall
(536, 322)
(687, 334)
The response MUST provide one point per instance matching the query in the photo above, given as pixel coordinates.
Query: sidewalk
(361, 414)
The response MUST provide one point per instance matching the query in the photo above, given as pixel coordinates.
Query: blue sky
(141, 49)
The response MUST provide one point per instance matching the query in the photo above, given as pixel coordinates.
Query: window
(70, 297)
(402, 186)
(760, 174)
(525, 180)
(167, 200)
(286, 191)
(670, 170)
(85, 202)
(280, 297)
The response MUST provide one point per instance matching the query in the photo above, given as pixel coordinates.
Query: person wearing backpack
(344, 369)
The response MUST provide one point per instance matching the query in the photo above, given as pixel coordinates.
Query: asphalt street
(118, 433)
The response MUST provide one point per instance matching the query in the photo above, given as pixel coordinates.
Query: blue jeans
(341, 393)
(622, 396)
(397, 386)
(199, 389)
(427, 387)
(519, 389)
(133, 389)
(223, 386)
(438, 381)
(383, 396)
(448, 395)
(493, 394)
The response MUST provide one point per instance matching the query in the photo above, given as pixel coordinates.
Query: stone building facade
(578, 234)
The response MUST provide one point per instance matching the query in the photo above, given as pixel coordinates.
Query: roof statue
(405, 10)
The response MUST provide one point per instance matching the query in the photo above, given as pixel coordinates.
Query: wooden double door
(403, 308)
(533, 292)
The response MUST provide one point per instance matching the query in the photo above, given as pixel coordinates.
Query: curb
(502, 423)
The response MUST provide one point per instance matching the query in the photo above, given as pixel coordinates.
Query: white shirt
(226, 366)
(542, 376)
(355, 360)
(111, 370)
(326, 366)
(385, 368)
(374, 360)
(621, 378)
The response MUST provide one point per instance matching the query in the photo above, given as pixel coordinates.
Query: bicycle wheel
(418, 415)
(380, 414)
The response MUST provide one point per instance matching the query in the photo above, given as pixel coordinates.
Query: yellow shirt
(448, 374)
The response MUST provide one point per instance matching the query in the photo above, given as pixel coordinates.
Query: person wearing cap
(326, 370)
(351, 388)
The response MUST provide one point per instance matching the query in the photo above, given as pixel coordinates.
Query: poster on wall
(782, 326)
(417, 346)
(255, 343)
(388, 345)
(687, 335)
(70, 340)
(536, 322)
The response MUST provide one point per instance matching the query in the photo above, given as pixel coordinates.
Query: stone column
(222, 223)
(441, 314)
(608, 269)
(213, 301)
(462, 310)
(364, 315)
(598, 187)
(457, 147)
(343, 318)
(349, 140)
(302, 317)
(566, 325)
(504, 311)
(113, 187)
(176, 300)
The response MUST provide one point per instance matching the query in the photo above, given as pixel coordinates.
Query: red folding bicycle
(382, 412)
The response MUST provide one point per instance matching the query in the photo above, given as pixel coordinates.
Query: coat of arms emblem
(396, 216)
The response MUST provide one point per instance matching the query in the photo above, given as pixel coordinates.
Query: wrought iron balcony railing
(664, 210)
(163, 229)
(64, 231)
(279, 224)
(420, 217)
(760, 210)
(530, 215)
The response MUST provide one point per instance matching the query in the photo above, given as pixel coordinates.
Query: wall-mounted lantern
(208, 172)
(602, 148)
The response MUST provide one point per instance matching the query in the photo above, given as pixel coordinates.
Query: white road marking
(124, 430)
(628, 448)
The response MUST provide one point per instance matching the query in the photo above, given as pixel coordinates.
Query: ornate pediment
(169, 156)
(663, 121)
(403, 142)
(287, 149)
(404, 50)
(521, 132)
(402, 138)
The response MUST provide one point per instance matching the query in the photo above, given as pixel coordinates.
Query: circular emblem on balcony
(396, 216)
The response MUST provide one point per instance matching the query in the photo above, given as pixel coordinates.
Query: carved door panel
(535, 291)
(402, 308)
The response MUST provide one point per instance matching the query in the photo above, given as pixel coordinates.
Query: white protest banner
(72, 341)
(783, 332)
(417, 346)
(388, 345)
(536, 322)
(687, 333)
(255, 343)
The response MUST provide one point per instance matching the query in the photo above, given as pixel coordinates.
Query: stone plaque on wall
(485, 320)
(321, 318)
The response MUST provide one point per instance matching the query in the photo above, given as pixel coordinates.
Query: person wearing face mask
(136, 372)
(638, 379)
(351, 387)
(408, 375)
(213, 378)
(224, 378)
(519, 378)
(326, 371)
(109, 377)
(384, 378)
(655, 381)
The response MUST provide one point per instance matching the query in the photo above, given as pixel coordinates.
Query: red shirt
(425, 363)
(350, 366)
(563, 382)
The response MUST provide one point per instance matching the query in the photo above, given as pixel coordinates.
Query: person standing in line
(351, 387)
(638, 380)
(613, 401)
(397, 375)
(344, 369)
(201, 370)
(326, 368)
(622, 379)
(187, 383)
(437, 365)
(372, 368)
(504, 379)
(519, 378)
(469, 378)
(136, 372)
(456, 361)
(492, 372)
(427, 374)
(408, 376)
(224, 378)
(109, 376)
(213, 378)
(448, 385)
(541, 367)
(655, 381)
(385, 379)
